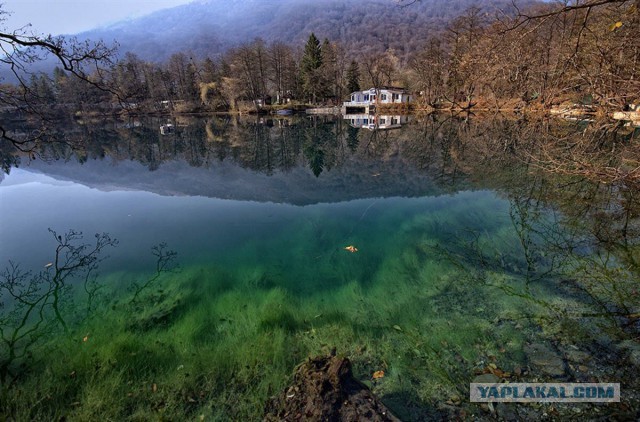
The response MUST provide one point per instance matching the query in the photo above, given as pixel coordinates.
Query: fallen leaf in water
(85, 338)
(378, 375)
(351, 249)
(397, 327)
(497, 371)
(615, 26)
(154, 387)
(50, 264)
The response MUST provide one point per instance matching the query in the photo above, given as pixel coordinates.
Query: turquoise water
(455, 273)
(301, 247)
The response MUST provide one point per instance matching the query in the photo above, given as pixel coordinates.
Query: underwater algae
(217, 340)
(422, 293)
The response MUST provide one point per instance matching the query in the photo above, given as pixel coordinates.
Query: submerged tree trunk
(324, 389)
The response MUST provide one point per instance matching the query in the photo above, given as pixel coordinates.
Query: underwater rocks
(545, 360)
(577, 356)
(486, 378)
(632, 349)
(324, 389)
(159, 318)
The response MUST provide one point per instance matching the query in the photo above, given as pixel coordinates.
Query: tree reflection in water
(572, 193)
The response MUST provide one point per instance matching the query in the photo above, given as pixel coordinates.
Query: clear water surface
(461, 263)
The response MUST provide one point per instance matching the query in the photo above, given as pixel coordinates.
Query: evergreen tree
(309, 67)
(41, 89)
(331, 76)
(353, 77)
(312, 58)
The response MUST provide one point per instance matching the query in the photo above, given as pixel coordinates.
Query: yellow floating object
(351, 249)
(378, 375)
(615, 26)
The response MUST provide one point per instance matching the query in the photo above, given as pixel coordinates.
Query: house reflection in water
(375, 121)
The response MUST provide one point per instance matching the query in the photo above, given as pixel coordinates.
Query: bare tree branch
(20, 50)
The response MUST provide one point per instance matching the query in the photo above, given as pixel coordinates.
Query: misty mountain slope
(210, 27)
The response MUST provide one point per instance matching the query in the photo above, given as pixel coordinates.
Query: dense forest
(210, 28)
(533, 57)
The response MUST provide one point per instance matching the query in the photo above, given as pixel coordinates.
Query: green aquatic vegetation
(165, 263)
(34, 305)
(437, 291)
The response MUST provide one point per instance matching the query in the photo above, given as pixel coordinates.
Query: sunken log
(324, 389)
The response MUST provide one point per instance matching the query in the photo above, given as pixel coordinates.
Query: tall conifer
(311, 62)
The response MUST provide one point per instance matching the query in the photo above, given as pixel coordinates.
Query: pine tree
(353, 77)
(310, 65)
(312, 58)
(41, 89)
(330, 71)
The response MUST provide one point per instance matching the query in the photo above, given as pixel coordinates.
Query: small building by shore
(376, 122)
(366, 101)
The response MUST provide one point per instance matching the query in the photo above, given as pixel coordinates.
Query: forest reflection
(563, 248)
(573, 188)
(481, 150)
(587, 173)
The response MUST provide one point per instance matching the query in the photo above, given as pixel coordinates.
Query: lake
(436, 249)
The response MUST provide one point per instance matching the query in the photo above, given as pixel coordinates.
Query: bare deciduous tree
(21, 49)
(33, 303)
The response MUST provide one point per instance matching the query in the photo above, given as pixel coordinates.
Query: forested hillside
(210, 27)
(243, 56)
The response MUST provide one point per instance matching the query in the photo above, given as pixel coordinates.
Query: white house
(375, 122)
(367, 100)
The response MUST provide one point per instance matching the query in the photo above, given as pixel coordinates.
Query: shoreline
(632, 117)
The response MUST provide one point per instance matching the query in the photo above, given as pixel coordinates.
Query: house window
(365, 121)
(353, 98)
(383, 121)
(395, 97)
(383, 97)
(366, 97)
(394, 121)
